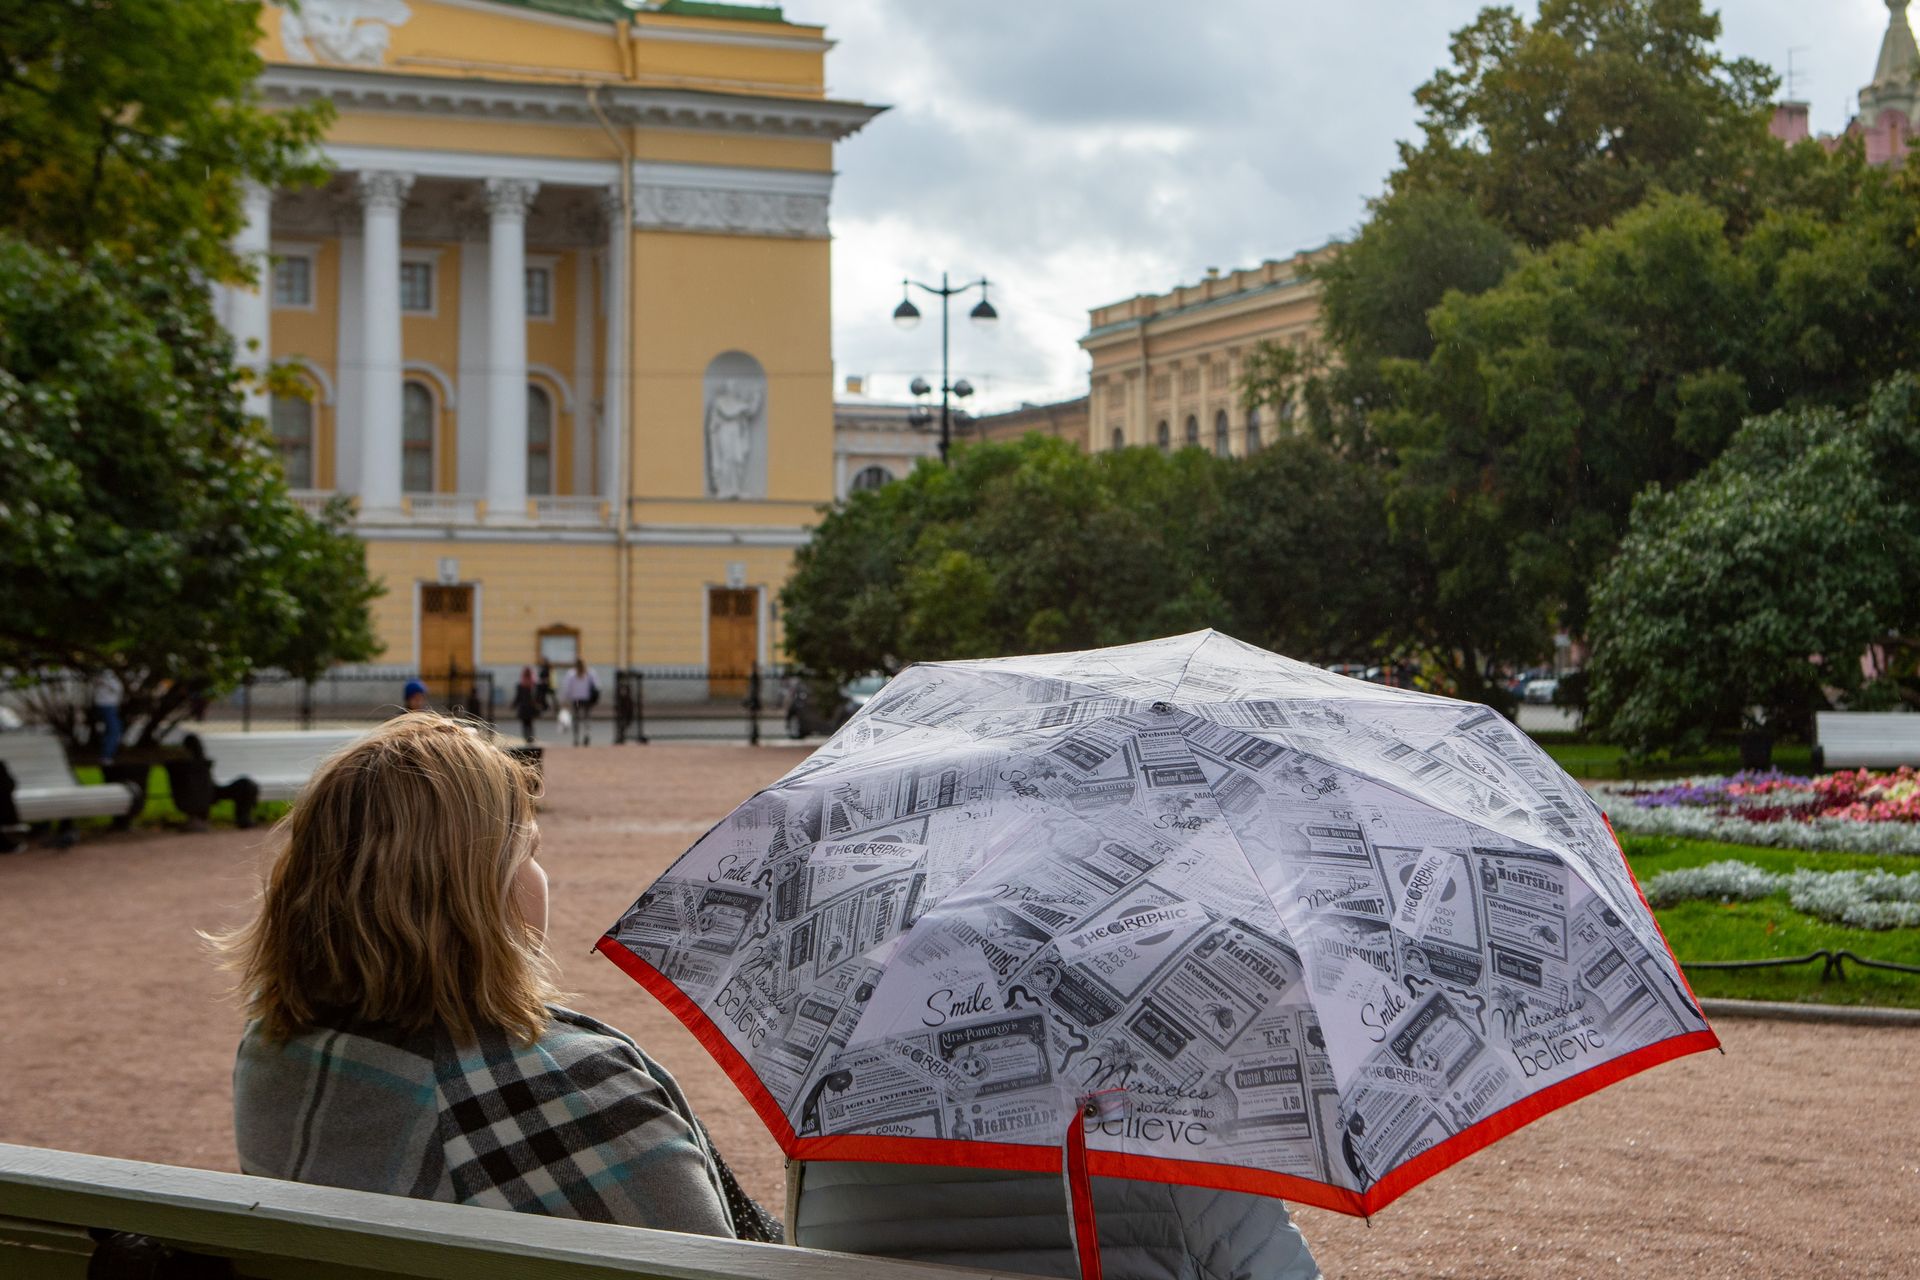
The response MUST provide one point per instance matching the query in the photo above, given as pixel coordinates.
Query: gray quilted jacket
(1018, 1222)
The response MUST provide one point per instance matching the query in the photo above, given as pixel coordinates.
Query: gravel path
(1795, 1154)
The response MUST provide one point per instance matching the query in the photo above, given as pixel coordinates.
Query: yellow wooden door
(733, 641)
(446, 639)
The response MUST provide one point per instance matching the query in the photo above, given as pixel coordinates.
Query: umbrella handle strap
(1082, 1230)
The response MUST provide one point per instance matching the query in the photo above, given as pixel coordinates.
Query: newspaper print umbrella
(1204, 914)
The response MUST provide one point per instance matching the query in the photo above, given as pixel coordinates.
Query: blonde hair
(391, 897)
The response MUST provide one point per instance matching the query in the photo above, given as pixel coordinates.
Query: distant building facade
(1889, 105)
(1166, 367)
(876, 441)
(1063, 419)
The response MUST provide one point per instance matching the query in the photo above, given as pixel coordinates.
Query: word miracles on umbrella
(1183, 911)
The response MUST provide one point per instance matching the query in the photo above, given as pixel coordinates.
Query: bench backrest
(273, 755)
(1870, 739)
(290, 1231)
(35, 760)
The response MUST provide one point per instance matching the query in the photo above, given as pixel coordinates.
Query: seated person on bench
(402, 1036)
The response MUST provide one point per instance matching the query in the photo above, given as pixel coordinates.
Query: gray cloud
(1079, 151)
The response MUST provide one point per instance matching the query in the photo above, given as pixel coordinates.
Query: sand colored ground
(1795, 1154)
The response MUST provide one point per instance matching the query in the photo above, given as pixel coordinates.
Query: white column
(508, 200)
(382, 195)
(613, 417)
(247, 308)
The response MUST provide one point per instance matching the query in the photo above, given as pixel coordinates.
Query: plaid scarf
(580, 1124)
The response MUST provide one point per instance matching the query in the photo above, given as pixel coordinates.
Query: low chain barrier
(1832, 963)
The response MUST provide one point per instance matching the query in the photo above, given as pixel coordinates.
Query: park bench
(248, 768)
(1865, 739)
(37, 785)
(57, 1207)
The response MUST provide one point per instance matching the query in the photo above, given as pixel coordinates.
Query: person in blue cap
(414, 695)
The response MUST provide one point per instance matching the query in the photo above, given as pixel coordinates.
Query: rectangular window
(293, 282)
(540, 292)
(416, 286)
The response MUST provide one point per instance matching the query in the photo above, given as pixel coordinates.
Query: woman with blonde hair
(403, 1036)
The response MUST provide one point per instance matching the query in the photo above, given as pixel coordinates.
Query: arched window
(416, 438)
(539, 440)
(292, 418)
(1253, 431)
(1119, 439)
(871, 478)
(1220, 446)
(1193, 431)
(1162, 436)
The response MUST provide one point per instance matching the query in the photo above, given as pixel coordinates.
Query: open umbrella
(1192, 911)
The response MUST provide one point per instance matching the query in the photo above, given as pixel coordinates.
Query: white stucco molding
(480, 98)
(552, 375)
(731, 201)
(439, 378)
(473, 165)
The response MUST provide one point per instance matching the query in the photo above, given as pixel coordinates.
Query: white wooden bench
(251, 767)
(1865, 739)
(37, 785)
(50, 1201)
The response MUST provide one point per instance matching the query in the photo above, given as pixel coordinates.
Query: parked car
(805, 717)
(1540, 692)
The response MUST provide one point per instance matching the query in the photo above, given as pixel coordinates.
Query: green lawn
(160, 810)
(1771, 927)
(1604, 762)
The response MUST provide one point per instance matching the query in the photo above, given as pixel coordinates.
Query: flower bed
(1857, 899)
(1855, 811)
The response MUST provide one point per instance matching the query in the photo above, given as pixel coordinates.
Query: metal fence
(270, 699)
(702, 703)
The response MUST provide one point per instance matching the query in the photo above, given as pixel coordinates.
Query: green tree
(148, 530)
(1037, 546)
(1744, 597)
(1556, 126)
(133, 126)
(152, 534)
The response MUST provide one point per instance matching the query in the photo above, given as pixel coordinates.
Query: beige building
(561, 317)
(1166, 367)
(1066, 419)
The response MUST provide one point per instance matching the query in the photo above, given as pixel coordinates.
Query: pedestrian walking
(546, 686)
(413, 695)
(106, 693)
(579, 693)
(526, 703)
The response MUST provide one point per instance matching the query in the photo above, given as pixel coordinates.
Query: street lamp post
(906, 315)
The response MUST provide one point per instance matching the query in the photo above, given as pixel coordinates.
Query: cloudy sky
(1079, 151)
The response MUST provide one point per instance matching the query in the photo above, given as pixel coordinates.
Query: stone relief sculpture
(736, 427)
(355, 32)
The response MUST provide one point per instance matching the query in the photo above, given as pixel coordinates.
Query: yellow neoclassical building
(562, 313)
(1166, 367)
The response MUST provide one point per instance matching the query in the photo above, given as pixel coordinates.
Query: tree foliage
(1560, 125)
(132, 127)
(1746, 596)
(1592, 264)
(151, 533)
(145, 526)
(1037, 546)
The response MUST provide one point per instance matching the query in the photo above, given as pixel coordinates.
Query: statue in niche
(354, 32)
(736, 432)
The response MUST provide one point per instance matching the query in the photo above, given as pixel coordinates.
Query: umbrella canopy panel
(1301, 935)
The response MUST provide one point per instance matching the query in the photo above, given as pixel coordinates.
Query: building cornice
(562, 103)
(1198, 312)
(645, 28)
